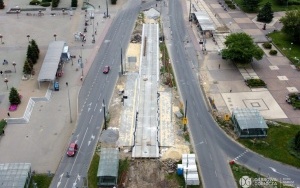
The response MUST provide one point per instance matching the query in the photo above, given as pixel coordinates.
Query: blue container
(180, 171)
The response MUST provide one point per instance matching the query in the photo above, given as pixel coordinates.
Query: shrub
(47, 1)
(2, 125)
(113, 2)
(232, 6)
(267, 45)
(2, 4)
(45, 4)
(273, 52)
(34, 2)
(14, 96)
(74, 3)
(55, 3)
(255, 83)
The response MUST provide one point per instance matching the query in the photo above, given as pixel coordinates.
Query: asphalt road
(212, 146)
(96, 88)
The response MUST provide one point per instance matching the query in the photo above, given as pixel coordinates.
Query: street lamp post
(6, 80)
(1, 38)
(28, 36)
(14, 64)
(18, 11)
(103, 105)
(81, 62)
(55, 37)
(67, 84)
(63, 11)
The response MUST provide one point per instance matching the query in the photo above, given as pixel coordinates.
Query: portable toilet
(179, 169)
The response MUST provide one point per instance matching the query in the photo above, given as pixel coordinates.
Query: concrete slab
(224, 15)
(146, 130)
(263, 101)
(247, 26)
(292, 89)
(242, 20)
(282, 78)
(273, 67)
(166, 131)
(128, 112)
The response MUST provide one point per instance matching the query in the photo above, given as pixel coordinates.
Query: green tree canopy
(28, 66)
(250, 5)
(14, 96)
(2, 4)
(266, 13)
(240, 48)
(291, 25)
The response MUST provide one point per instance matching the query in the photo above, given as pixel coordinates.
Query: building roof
(14, 175)
(51, 61)
(109, 162)
(249, 118)
(204, 21)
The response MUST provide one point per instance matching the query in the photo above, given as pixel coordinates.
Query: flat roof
(204, 21)
(51, 61)
(249, 118)
(109, 162)
(14, 175)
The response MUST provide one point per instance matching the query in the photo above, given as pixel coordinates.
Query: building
(108, 167)
(248, 123)
(15, 175)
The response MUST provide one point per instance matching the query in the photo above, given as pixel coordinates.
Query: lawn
(283, 42)
(275, 145)
(92, 173)
(275, 6)
(240, 171)
(41, 180)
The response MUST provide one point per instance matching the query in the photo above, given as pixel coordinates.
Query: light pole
(106, 9)
(103, 105)
(54, 36)
(63, 12)
(18, 11)
(6, 80)
(185, 119)
(81, 63)
(67, 84)
(1, 38)
(28, 36)
(14, 64)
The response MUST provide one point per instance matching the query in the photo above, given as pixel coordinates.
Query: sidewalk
(224, 83)
(43, 140)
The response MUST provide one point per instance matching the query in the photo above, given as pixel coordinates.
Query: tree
(74, 3)
(266, 13)
(35, 47)
(297, 141)
(240, 48)
(291, 25)
(28, 66)
(250, 5)
(14, 96)
(2, 4)
(32, 54)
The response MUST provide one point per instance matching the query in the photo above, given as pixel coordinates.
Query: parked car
(72, 149)
(56, 86)
(106, 69)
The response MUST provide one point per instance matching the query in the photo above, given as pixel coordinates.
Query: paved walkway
(224, 82)
(44, 138)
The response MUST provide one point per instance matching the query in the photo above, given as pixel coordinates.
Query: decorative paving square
(261, 100)
(273, 67)
(253, 32)
(258, 104)
(292, 89)
(282, 78)
(224, 15)
(243, 20)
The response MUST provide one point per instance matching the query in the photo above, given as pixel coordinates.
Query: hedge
(267, 45)
(273, 52)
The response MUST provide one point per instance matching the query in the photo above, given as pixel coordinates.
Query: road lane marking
(91, 119)
(95, 107)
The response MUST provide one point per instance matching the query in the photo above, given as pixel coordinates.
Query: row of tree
(33, 53)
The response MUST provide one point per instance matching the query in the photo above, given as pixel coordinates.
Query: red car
(72, 149)
(106, 69)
